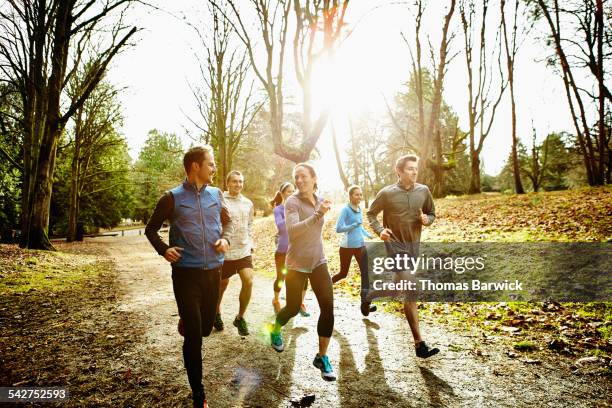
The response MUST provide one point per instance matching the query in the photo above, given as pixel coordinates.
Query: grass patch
(50, 271)
(524, 345)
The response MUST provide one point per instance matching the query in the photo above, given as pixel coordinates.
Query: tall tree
(94, 130)
(225, 101)
(429, 143)
(582, 38)
(511, 44)
(38, 39)
(482, 106)
(272, 24)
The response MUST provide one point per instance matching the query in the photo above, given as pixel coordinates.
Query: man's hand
(173, 254)
(221, 245)
(385, 235)
(325, 206)
(424, 217)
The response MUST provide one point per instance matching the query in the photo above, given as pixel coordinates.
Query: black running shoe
(367, 308)
(424, 351)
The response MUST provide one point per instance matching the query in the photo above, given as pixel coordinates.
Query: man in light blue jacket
(199, 226)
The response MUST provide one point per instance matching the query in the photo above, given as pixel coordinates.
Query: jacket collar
(306, 200)
(192, 186)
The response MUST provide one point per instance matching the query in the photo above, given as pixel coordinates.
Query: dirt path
(373, 357)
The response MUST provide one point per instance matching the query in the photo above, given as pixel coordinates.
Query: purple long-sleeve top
(283, 238)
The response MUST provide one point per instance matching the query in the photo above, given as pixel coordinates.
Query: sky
(372, 64)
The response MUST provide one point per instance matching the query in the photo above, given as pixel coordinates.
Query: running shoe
(303, 311)
(323, 364)
(204, 404)
(367, 308)
(181, 327)
(218, 324)
(424, 351)
(276, 340)
(241, 325)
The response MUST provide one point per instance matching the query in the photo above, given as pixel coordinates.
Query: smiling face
(235, 184)
(304, 179)
(356, 196)
(408, 175)
(204, 172)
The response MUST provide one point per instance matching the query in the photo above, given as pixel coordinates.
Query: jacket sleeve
(341, 225)
(295, 227)
(163, 211)
(226, 219)
(365, 233)
(279, 220)
(375, 208)
(429, 208)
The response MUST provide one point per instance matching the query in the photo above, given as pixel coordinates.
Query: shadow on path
(351, 382)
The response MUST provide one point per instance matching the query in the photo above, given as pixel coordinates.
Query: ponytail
(278, 198)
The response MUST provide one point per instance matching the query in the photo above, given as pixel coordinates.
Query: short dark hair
(196, 154)
(232, 173)
(401, 162)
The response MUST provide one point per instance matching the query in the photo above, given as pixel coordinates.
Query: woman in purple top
(278, 203)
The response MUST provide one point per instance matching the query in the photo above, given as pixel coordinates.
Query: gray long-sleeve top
(304, 224)
(401, 213)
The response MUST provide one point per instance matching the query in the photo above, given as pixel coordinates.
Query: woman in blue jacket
(282, 243)
(352, 244)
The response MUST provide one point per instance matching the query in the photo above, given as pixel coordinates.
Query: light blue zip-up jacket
(349, 222)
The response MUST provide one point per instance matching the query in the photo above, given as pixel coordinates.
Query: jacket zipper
(203, 231)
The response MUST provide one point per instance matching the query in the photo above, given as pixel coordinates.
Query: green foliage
(10, 174)
(108, 192)
(159, 168)
(560, 163)
(455, 161)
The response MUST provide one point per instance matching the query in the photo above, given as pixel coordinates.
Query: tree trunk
(475, 185)
(341, 172)
(600, 176)
(516, 168)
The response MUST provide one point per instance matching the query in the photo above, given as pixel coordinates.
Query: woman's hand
(325, 206)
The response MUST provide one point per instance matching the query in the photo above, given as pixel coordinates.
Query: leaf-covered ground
(571, 215)
(99, 317)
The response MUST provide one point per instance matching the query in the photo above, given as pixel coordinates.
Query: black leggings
(279, 261)
(196, 292)
(346, 254)
(321, 284)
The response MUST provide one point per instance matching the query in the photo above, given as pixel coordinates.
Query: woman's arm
(341, 225)
(295, 227)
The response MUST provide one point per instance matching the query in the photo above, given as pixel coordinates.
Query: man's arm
(163, 211)
(429, 209)
(375, 208)
(251, 220)
(226, 219)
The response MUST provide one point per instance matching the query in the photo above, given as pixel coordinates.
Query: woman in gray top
(304, 217)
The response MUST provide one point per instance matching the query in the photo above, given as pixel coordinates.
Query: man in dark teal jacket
(199, 224)
(406, 206)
